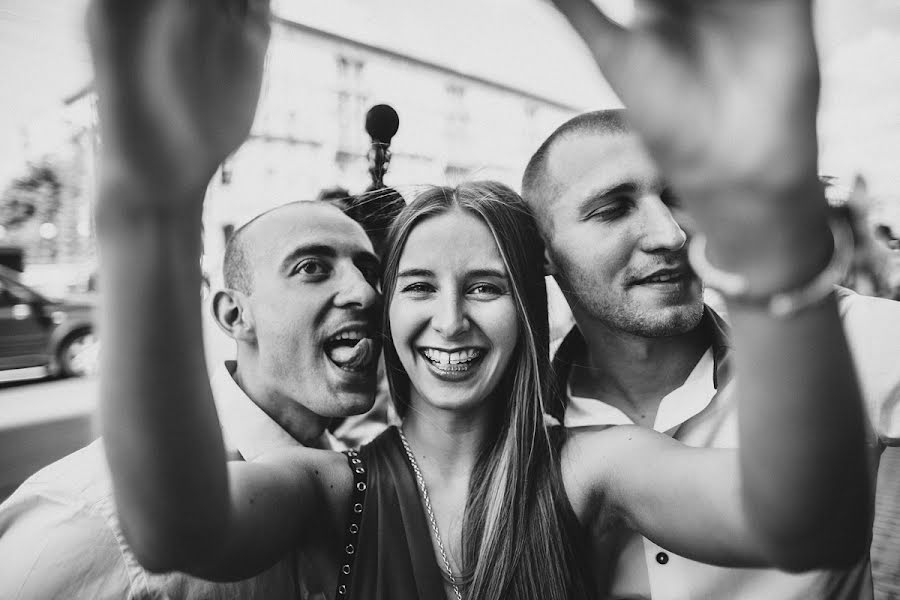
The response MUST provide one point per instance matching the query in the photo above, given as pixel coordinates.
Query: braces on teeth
(446, 359)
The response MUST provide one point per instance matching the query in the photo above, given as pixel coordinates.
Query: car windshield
(10, 286)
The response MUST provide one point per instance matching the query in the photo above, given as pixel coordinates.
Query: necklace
(425, 500)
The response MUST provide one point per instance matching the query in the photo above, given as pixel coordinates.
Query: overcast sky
(43, 59)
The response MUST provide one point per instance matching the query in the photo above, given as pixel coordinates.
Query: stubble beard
(626, 315)
(651, 323)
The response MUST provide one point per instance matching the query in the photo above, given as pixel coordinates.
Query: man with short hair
(301, 304)
(647, 351)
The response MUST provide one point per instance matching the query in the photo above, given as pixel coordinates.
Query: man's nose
(356, 291)
(449, 319)
(661, 230)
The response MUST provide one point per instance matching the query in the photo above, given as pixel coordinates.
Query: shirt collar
(248, 430)
(678, 406)
(574, 346)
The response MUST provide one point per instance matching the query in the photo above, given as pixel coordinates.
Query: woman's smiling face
(452, 316)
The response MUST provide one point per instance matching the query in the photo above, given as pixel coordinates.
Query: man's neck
(301, 423)
(634, 373)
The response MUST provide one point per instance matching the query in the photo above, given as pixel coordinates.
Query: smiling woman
(466, 360)
(452, 316)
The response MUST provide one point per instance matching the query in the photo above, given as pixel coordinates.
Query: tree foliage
(33, 195)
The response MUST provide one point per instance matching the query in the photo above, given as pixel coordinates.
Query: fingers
(259, 12)
(253, 12)
(603, 36)
(252, 17)
(109, 21)
(244, 8)
(662, 10)
(117, 15)
(259, 9)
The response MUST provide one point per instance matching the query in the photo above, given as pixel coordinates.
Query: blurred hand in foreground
(177, 85)
(723, 92)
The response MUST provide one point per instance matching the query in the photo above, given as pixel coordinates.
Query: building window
(457, 112)
(532, 127)
(457, 120)
(351, 104)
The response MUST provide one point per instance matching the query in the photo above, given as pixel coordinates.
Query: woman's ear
(232, 314)
(549, 266)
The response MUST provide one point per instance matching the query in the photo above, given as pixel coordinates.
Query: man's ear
(232, 314)
(549, 267)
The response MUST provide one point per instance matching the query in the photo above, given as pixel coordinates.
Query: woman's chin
(451, 401)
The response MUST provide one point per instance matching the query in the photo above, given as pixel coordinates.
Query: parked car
(37, 331)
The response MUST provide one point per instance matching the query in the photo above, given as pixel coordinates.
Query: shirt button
(662, 558)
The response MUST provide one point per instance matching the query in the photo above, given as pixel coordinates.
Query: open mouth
(351, 350)
(456, 361)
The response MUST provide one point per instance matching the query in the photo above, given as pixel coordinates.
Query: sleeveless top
(387, 549)
(388, 552)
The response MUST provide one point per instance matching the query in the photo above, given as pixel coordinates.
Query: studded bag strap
(351, 533)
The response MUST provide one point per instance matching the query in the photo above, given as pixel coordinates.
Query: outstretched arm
(724, 93)
(177, 84)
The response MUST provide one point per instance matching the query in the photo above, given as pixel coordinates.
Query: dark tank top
(388, 552)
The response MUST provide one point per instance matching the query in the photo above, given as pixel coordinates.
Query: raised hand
(177, 83)
(724, 92)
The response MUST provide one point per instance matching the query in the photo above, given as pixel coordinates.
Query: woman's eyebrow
(487, 273)
(415, 273)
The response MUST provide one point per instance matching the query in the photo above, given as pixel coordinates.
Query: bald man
(646, 350)
(301, 304)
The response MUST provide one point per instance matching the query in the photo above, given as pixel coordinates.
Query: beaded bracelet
(784, 303)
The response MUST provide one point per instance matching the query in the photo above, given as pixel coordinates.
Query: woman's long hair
(517, 530)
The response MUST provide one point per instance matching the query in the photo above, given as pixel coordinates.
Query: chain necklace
(437, 534)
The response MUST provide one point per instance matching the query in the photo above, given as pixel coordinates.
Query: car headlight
(58, 316)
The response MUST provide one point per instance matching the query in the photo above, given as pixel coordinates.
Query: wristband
(779, 303)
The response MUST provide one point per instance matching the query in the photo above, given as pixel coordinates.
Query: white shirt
(246, 427)
(60, 538)
(703, 414)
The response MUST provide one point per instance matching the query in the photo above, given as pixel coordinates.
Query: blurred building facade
(309, 135)
(309, 132)
(469, 115)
